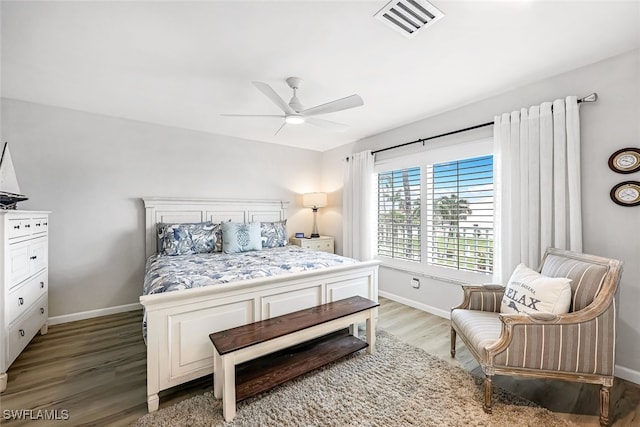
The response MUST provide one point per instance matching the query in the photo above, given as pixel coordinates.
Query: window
(459, 214)
(399, 214)
(435, 210)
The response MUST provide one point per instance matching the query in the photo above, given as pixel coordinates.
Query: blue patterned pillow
(238, 237)
(274, 234)
(187, 238)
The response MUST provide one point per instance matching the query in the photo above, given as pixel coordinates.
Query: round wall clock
(626, 193)
(626, 160)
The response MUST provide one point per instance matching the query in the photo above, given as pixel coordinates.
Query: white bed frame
(179, 323)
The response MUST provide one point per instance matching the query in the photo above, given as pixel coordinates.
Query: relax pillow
(273, 234)
(187, 238)
(530, 292)
(238, 237)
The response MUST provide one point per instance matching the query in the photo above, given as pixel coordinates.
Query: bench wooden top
(240, 337)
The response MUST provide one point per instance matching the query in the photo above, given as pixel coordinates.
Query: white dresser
(24, 278)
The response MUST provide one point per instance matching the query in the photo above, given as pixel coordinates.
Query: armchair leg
(604, 406)
(488, 392)
(453, 342)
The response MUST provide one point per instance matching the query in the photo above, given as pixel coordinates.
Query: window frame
(437, 154)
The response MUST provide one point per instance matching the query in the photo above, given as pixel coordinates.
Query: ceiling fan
(295, 113)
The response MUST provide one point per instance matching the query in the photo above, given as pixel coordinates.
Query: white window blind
(459, 214)
(399, 214)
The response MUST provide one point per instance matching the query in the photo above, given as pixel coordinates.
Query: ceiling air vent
(408, 17)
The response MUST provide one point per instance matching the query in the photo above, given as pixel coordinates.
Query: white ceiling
(183, 63)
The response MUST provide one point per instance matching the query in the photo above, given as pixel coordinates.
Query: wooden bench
(272, 351)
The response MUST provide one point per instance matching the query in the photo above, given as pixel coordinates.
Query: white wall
(609, 230)
(91, 172)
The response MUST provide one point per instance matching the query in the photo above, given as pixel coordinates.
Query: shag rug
(399, 385)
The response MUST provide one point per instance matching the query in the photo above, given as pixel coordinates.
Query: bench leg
(217, 374)
(229, 387)
(371, 331)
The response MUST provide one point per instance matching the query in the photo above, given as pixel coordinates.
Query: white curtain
(358, 210)
(537, 184)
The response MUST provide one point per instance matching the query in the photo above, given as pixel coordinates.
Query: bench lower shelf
(262, 374)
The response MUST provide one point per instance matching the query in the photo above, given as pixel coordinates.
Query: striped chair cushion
(586, 278)
(480, 328)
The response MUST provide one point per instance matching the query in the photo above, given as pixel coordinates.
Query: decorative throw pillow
(274, 234)
(530, 292)
(238, 237)
(187, 238)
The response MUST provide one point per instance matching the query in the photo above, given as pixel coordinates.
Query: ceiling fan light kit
(294, 119)
(294, 111)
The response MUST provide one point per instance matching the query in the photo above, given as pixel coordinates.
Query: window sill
(441, 274)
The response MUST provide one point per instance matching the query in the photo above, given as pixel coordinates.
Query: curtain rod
(593, 97)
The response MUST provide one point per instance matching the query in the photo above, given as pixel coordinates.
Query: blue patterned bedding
(172, 273)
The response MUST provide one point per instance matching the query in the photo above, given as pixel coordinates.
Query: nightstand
(322, 243)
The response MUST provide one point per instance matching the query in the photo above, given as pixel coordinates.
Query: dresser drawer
(18, 227)
(39, 225)
(26, 328)
(26, 258)
(320, 245)
(22, 297)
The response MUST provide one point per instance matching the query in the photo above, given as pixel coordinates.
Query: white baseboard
(420, 306)
(627, 374)
(66, 318)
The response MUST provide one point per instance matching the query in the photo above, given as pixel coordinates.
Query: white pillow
(530, 292)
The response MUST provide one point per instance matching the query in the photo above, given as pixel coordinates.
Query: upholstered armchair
(576, 346)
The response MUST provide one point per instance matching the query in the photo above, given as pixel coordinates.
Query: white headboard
(176, 210)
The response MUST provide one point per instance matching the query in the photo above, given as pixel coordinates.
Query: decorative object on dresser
(9, 188)
(314, 201)
(24, 297)
(322, 243)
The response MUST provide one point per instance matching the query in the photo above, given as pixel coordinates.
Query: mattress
(172, 273)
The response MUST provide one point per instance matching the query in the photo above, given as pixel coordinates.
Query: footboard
(179, 323)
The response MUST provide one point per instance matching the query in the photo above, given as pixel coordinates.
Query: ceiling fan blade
(326, 124)
(280, 128)
(274, 97)
(252, 115)
(333, 106)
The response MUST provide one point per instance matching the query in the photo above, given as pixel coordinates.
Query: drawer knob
(33, 257)
(27, 226)
(41, 310)
(17, 227)
(21, 332)
(20, 301)
(46, 223)
(41, 285)
(38, 224)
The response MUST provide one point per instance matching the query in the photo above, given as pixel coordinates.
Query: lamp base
(314, 235)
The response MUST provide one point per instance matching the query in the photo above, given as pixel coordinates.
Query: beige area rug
(399, 385)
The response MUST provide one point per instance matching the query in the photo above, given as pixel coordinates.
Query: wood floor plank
(96, 369)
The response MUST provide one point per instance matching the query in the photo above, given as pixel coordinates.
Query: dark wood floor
(96, 370)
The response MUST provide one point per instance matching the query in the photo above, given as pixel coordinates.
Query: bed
(178, 323)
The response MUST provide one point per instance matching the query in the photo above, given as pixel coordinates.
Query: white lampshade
(314, 200)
